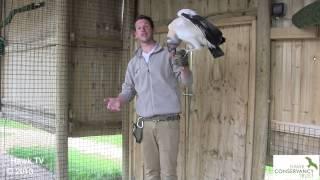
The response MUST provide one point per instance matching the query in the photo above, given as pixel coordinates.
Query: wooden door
(220, 127)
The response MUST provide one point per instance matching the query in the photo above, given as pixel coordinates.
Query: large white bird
(196, 31)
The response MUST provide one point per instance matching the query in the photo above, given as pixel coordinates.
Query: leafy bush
(108, 139)
(81, 166)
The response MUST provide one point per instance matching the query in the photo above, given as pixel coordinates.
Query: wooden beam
(252, 12)
(62, 101)
(226, 21)
(252, 85)
(1, 11)
(111, 42)
(293, 33)
(296, 128)
(262, 92)
(236, 13)
(232, 21)
(2, 7)
(161, 29)
(82, 129)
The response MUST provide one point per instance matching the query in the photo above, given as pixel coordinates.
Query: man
(153, 77)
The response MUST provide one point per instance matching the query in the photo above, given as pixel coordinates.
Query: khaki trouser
(160, 146)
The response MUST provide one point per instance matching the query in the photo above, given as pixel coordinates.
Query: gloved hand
(180, 58)
(172, 47)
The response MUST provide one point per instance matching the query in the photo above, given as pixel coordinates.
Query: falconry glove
(181, 58)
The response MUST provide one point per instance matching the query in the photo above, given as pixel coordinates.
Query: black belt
(161, 118)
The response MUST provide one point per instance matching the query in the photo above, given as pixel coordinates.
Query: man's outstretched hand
(113, 104)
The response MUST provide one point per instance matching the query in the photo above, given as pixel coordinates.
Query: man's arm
(114, 104)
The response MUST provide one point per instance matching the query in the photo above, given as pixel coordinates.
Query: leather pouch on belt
(137, 130)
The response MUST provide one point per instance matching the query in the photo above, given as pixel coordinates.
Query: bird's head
(172, 40)
(186, 11)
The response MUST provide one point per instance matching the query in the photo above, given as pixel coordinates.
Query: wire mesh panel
(96, 58)
(293, 139)
(60, 60)
(28, 66)
(28, 90)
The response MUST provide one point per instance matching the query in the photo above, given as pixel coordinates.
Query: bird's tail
(216, 51)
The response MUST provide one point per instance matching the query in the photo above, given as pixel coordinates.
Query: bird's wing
(172, 37)
(211, 32)
(186, 31)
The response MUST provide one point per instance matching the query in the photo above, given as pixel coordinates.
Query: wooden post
(127, 165)
(262, 91)
(2, 10)
(62, 56)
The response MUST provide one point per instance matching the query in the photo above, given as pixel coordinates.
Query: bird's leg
(188, 51)
(189, 48)
(181, 58)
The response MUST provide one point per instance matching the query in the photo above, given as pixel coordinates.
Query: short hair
(146, 18)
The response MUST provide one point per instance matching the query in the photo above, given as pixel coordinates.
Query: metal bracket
(187, 94)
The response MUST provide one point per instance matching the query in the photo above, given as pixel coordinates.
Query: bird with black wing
(196, 31)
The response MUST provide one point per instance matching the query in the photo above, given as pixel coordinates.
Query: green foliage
(33, 153)
(108, 139)
(268, 169)
(14, 124)
(81, 166)
(91, 166)
(307, 16)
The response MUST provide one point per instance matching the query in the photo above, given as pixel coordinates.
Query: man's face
(143, 31)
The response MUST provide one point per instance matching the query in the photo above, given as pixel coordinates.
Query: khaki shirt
(156, 84)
